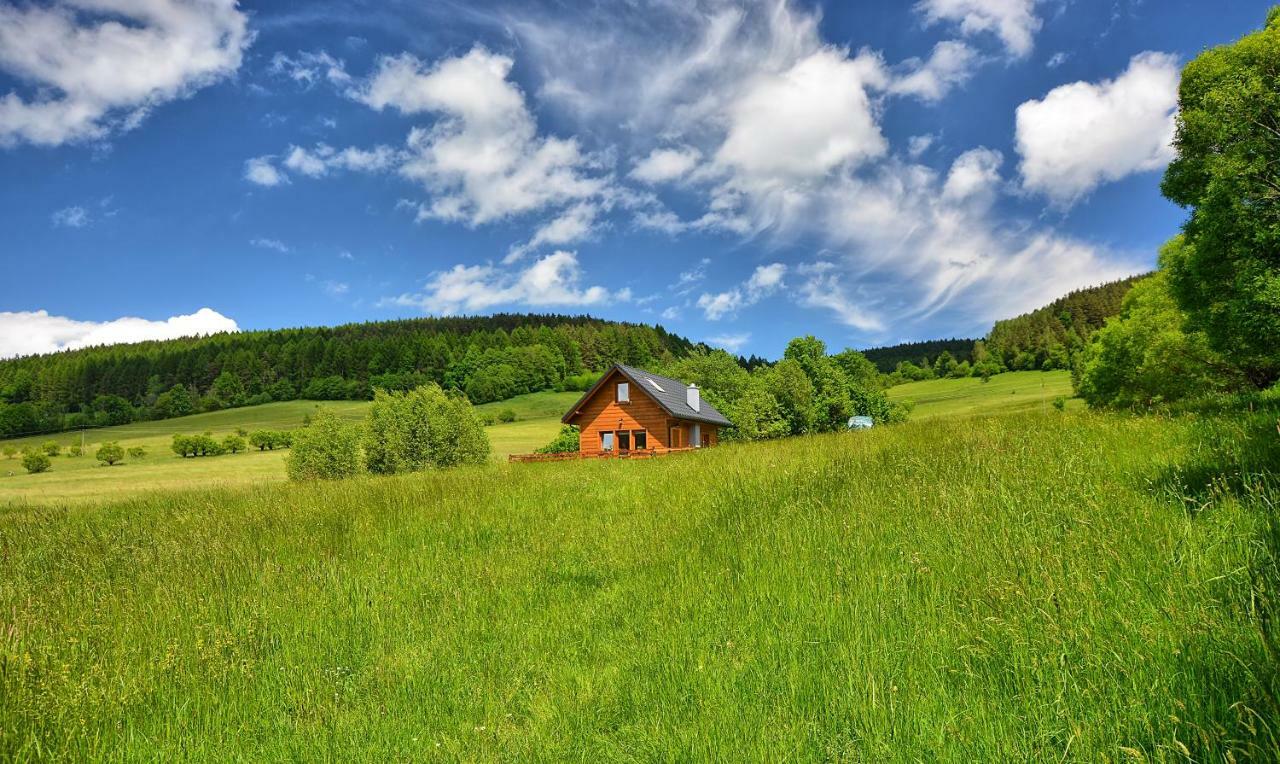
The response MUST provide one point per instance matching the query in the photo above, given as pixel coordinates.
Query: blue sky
(739, 172)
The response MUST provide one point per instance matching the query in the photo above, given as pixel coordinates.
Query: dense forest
(923, 353)
(1050, 338)
(489, 358)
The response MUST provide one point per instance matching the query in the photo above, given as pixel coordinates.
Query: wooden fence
(576, 455)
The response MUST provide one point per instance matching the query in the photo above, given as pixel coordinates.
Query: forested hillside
(490, 358)
(1050, 337)
(923, 353)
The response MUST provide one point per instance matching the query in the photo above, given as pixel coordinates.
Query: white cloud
(823, 288)
(764, 281)
(261, 171)
(731, 342)
(70, 217)
(96, 66)
(275, 244)
(665, 165)
(572, 226)
(1013, 21)
(307, 68)
(1082, 135)
(805, 121)
(322, 158)
(975, 172)
(30, 332)
(554, 280)
(1057, 59)
(950, 65)
(335, 288)
(918, 144)
(483, 159)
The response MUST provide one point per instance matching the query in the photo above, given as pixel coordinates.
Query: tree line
(1208, 322)
(488, 358)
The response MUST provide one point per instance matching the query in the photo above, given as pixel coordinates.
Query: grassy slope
(1012, 588)
(82, 479)
(1004, 393)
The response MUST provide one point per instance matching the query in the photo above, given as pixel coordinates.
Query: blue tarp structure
(861, 423)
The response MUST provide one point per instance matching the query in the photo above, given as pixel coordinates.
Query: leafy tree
(793, 402)
(110, 410)
(326, 449)
(175, 402)
(858, 369)
(110, 453)
(10, 452)
(51, 447)
(1146, 356)
(137, 452)
(36, 461)
(228, 390)
(1226, 273)
(233, 444)
(565, 442)
(422, 428)
(757, 415)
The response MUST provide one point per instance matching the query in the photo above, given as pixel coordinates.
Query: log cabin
(630, 409)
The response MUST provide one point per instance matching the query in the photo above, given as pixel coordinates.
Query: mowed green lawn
(1003, 393)
(83, 479)
(1041, 586)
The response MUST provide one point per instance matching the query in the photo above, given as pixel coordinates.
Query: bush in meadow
(110, 453)
(425, 427)
(507, 415)
(233, 444)
(326, 449)
(36, 461)
(565, 442)
(51, 448)
(137, 452)
(75, 450)
(10, 452)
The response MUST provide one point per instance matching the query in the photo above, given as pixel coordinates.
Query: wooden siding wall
(602, 412)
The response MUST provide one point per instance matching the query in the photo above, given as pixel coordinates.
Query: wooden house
(630, 409)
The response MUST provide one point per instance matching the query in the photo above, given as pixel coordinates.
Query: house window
(624, 441)
(641, 439)
(606, 441)
(624, 392)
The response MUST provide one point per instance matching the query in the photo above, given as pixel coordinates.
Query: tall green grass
(1041, 586)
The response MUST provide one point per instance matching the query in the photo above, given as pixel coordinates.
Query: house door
(706, 439)
(678, 439)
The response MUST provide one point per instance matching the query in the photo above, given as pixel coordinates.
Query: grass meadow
(1002, 394)
(1035, 586)
(83, 480)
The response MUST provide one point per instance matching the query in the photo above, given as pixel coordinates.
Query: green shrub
(51, 448)
(233, 444)
(1060, 403)
(137, 452)
(269, 440)
(75, 450)
(425, 427)
(566, 442)
(326, 449)
(110, 453)
(487, 418)
(10, 452)
(183, 445)
(36, 461)
(507, 415)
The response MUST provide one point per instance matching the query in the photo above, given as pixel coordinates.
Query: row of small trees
(408, 431)
(37, 460)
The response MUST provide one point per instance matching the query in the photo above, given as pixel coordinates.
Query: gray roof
(670, 394)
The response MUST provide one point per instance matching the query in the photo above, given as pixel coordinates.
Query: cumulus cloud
(275, 244)
(764, 281)
(974, 173)
(950, 65)
(1013, 21)
(263, 172)
(554, 280)
(483, 159)
(31, 332)
(74, 216)
(731, 342)
(575, 224)
(1083, 134)
(664, 165)
(96, 66)
(322, 158)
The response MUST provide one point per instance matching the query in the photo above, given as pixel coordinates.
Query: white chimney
(695, 401)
